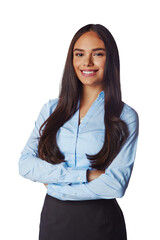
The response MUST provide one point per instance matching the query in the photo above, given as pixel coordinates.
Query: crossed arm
(91, 175)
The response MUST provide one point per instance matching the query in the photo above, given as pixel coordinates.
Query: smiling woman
(85, 164)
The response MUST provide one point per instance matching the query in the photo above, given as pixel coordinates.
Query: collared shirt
(68, 180)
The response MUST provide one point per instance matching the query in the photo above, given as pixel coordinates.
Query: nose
(88, 61)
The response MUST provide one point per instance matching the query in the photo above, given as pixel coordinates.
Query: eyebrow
(94, 49)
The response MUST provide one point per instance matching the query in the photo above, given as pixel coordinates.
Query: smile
(88, 73)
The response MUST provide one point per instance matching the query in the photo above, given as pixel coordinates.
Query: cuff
(77, 176)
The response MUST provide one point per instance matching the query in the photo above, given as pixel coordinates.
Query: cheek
(76, 68)
(76, 64)
(102, 64)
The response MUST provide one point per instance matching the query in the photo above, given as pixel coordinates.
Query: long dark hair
(116, 131)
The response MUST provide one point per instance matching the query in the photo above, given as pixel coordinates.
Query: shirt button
(75, 194)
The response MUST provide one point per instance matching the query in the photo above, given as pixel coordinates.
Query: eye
(79, 54)
(98, 54)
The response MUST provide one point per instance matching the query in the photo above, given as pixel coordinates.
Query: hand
(45, 185)
(93, 174)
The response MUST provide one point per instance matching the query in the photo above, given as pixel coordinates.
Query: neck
(88, 95)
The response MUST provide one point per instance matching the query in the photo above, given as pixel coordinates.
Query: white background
(35, 36)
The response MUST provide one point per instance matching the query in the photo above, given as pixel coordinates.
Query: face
(89, 57)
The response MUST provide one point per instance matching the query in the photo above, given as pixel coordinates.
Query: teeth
(88, 72)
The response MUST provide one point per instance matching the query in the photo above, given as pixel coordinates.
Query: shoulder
(48, 108)
(51, 105)
(129, 115)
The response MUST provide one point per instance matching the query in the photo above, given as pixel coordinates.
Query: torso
(84, 107)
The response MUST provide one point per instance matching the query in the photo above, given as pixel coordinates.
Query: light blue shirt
(68, 180)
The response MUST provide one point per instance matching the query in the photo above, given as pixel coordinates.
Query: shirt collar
(101, 94)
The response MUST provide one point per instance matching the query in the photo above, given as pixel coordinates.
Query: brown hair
(116, 131)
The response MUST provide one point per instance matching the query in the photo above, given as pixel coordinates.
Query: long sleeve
(113, 183)
(38, 170)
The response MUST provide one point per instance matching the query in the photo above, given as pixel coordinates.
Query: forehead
(89, 40)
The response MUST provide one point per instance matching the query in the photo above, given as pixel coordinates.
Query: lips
(89, 72)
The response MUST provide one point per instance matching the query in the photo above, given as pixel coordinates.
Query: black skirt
(100, 219)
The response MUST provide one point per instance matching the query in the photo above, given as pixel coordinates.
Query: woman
(83, 144)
